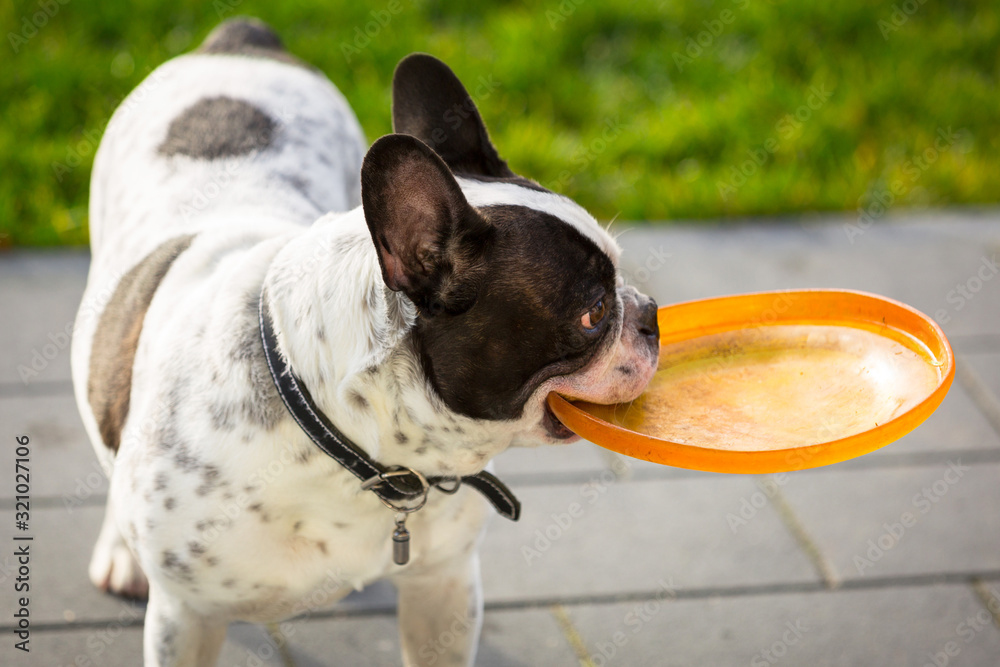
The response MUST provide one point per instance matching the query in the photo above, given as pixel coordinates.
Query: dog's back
(236, 140)
(224, 133)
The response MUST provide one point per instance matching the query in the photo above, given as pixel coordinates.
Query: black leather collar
(394, 485)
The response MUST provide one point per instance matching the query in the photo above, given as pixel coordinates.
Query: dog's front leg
(441, 614)
(176, 636)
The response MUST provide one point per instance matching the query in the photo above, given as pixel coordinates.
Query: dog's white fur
(261, 525)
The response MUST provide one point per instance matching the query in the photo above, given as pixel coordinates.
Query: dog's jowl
(304, 348)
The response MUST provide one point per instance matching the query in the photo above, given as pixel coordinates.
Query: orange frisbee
(776, 381)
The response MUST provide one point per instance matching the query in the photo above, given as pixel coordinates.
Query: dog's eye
(593, 317)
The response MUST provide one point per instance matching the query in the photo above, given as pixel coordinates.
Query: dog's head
(516, 288)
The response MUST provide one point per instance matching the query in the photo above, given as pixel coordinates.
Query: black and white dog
(424, 299)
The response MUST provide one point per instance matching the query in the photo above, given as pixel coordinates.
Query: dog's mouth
(553, 427)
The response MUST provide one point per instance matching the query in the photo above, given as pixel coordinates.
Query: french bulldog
(426, 299)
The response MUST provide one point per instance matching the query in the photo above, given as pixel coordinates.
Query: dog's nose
(648, 325)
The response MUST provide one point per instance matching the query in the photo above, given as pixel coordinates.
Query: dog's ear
(430, 240)
(430, 103)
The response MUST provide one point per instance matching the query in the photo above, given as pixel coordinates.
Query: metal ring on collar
(399, 471)
(456, 481)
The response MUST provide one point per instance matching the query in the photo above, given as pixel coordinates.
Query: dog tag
(401, 541)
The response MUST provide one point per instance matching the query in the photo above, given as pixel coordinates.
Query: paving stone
(40, 297)
(63, 463)
(610, 537)
(859, 519)
(893, 626)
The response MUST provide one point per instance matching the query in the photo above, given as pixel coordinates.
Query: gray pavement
(817, 570)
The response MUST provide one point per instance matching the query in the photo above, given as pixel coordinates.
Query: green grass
(595, 99)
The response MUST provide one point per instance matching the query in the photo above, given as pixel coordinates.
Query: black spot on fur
(250, 37)
(228, 583)
(184, 460)
(222, 416)
(160, 481)
(169, 504)
(209, 480)
(259, 509)
(321, 334)
(218, 127)
(167, 437)
(166, 648)
(624, 370)
(174, 566)
(401, 438)
(211, 561)
(116, 338)
(167, 434)
(197, 548)
(358, 401)
(297, 526)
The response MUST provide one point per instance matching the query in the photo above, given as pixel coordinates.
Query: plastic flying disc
(776, 381)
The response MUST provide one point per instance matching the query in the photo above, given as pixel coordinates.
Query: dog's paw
(117, 571)
(113, 567)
